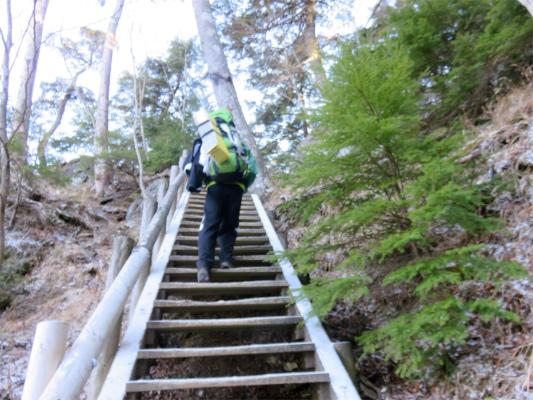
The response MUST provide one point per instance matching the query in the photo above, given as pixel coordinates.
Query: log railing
(92, 347)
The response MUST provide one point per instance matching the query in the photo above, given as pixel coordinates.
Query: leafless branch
(137, 103)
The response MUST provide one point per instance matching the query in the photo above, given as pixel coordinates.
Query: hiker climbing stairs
(239, 336)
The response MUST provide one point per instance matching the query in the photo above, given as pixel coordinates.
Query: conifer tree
(394, 191)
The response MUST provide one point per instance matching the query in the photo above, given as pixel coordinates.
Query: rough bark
(311, 45)
(22, 109)
(528, 4)
(102, 169)
(225, 94)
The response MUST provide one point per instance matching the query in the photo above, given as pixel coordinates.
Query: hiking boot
(226, 265)
(203, 275)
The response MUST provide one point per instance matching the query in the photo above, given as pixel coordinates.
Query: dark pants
(221, 221)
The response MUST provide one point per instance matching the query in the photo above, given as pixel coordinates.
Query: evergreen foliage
(393, 190)
(272, 37)
(465, 49)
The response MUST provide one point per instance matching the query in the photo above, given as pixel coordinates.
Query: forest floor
(61, 242)
(63, 238)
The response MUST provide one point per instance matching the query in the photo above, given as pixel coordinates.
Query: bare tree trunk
(21, 114)
(311, 46)
(528, 4)
(7, 44)
(102, 169)
(223, 88)
(46, 137)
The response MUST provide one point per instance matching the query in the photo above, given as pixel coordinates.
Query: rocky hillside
(61, 240)
(496, 361)
(59, 249)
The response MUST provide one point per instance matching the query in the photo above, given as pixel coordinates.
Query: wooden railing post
(160, 196)
(122, 247)
(47, 351)
(149, 209)
(72, 374)
(182, 166)
(173, 173)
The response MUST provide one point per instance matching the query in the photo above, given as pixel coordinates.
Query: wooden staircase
(235, 337)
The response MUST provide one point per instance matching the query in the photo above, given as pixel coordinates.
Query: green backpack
(236, 169)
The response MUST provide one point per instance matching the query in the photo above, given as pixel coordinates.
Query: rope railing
(75, 368)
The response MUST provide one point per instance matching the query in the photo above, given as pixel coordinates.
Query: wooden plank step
(238, 250)
(241, 240)
(233, 271)
(244, 232)
(198, 207)
(201, 199)
(219, 288)
(151, 354)
(201, 195)
(200, 211)
(218, 274)
(189, 217)
(227, 381)
(191, 306)
(246, 205)
(238, 261)
(248, 225)
(222, 324)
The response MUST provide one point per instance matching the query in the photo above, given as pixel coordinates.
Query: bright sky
(151, 25)
(145, 26)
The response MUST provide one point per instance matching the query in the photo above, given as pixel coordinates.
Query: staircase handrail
(75, 368)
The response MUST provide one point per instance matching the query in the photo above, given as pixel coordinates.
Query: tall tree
(278, 41)
(102, 169)
(22, 110)
(170, 94)
(284, 27)
(225, 94)
(7, 45)
(79, 56)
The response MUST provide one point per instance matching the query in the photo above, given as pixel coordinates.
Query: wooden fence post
(122, 247)
(345, 352)
(160, 196)
(47, 352)
(173, 173)
(149, 209)
(72, 374)
(182, 166)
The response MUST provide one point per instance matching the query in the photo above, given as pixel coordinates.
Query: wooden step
(243, 232)
(255, 218)
(249, 225)
(220, 288)
(191, 306)
(244, 205)
(219, 275)
(222, 324)
(200, 200)
(238, 261)
(202, 194)
(226, 351)
(238, 250)
(198, 207)
(241, 240)
(251, 380)
(200, 211)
